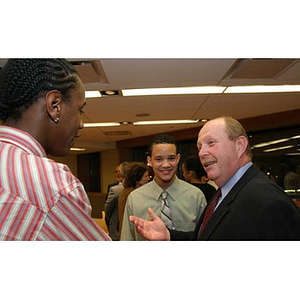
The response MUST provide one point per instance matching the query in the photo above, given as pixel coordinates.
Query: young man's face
(164, 161)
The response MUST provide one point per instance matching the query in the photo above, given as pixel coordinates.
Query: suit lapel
(224, 207)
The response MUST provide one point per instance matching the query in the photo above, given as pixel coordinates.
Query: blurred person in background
(119, 180)
(137, 175)
(194, 173)
(112, 203)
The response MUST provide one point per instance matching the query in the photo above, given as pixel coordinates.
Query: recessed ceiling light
(108, 93)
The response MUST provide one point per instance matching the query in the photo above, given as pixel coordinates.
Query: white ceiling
(117, 74)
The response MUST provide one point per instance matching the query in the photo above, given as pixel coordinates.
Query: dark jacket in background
(207, 189)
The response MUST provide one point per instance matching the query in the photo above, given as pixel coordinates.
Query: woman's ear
(191, 174)
(53, 105)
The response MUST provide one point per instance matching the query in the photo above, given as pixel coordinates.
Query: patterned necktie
(210, 210)
(165, 210)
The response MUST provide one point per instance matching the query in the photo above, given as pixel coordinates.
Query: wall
(109, 160)
(69, 160)
(88, 169)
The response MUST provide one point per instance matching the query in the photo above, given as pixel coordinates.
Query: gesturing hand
(153, 230)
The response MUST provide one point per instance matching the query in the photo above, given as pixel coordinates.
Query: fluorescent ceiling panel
(92, 94)
(162, 122)
(275, 142)
(204, 90)
(101, 124)
(175, 91)
(77, 149)
(263, 89)
(279, 148)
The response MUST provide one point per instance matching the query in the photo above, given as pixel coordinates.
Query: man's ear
(53, 104)
(149, 161)
(178, 156)
(242, 143)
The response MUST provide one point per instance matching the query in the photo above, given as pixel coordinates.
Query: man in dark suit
(251, 206)
(119, 179)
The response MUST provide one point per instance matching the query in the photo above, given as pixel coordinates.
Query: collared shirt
(185, 200)
(39, 198)
(225, 189)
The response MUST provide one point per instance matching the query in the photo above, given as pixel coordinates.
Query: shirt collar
(172, 189)
(22, 140)
(234, 179)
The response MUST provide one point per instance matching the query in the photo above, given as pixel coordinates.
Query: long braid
(23, 81)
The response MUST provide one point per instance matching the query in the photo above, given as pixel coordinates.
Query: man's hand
(154, 230)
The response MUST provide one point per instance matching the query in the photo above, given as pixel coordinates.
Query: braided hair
(23, 81)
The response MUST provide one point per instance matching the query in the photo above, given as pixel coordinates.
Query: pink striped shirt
(39, 198)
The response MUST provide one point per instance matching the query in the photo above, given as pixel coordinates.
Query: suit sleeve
(181, 235)
(110, 203)
(279, 221)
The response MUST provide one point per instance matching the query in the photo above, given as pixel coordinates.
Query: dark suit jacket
(256, 208)
(108, 188)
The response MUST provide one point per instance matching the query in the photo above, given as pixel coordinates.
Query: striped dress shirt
(40, 199)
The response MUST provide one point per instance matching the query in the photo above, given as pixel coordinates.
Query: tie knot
(164, 195)
(218, 193)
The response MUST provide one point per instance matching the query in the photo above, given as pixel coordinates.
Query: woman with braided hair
(41, 102)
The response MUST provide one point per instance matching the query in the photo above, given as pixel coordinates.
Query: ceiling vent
(258, 68)
(90, 71)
